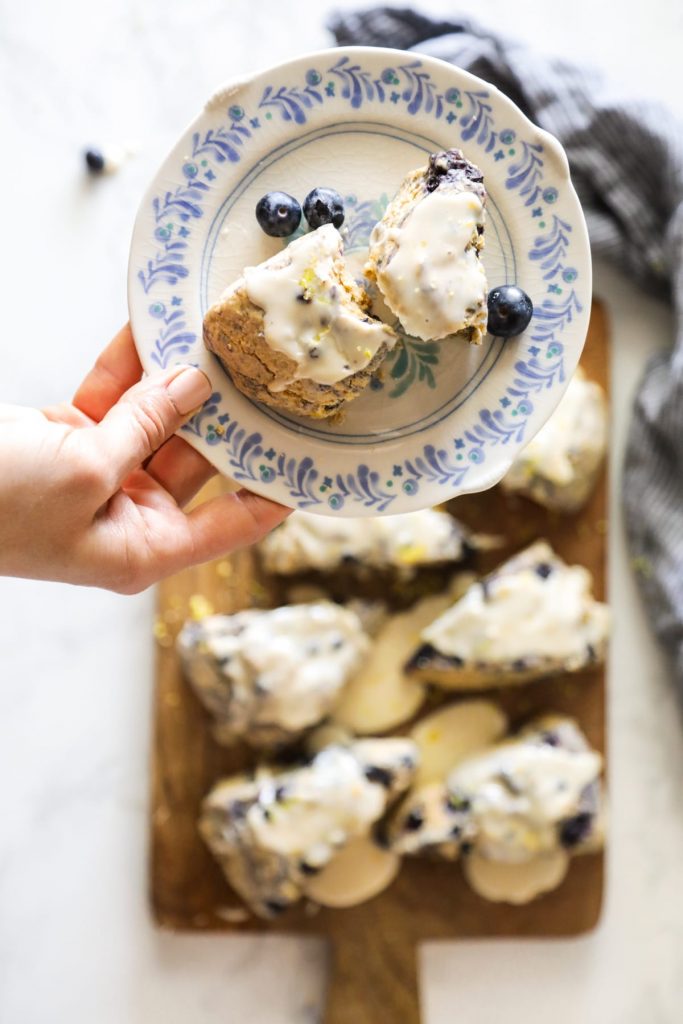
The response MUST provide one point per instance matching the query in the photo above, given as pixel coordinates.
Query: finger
(229, 522)
(180, 469)
(117, 369)
(146, 416)
(67, 413)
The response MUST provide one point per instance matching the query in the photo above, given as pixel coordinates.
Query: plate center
(420, 383)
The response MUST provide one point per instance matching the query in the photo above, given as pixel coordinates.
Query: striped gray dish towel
(626, 158)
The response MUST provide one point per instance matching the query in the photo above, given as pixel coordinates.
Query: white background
(76, 944)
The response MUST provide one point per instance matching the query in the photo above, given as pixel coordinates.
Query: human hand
(92, 492)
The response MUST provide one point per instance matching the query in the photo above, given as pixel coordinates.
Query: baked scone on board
(267, 676)
(425, 251)
(560, 465)
(295, 333)
(514, 812)
(400, 544)
(273, 834)
(533, 616)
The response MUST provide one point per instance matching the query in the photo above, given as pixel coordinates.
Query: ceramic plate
(440, 419)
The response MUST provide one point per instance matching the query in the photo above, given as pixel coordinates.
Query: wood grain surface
(373, 973)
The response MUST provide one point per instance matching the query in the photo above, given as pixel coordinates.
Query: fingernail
(189, 389)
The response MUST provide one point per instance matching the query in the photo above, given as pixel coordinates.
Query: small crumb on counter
(200, 607)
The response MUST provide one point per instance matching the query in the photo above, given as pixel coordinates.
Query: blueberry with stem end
(278, 214)
(510, 311)
(324, 206)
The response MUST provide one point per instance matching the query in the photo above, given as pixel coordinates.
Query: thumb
(147, 415)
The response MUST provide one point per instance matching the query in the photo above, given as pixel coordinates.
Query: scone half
(425, 251)
(532, 617)
(295, 332)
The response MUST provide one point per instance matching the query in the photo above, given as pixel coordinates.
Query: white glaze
(283, 667)
(519, 614)
(435, 275)
(519, 791)
(325, 803)
(357, 873)
(381, 695)
(504, 882)
(307, 317)
(577, 429)
(306, 541)
(453, 733)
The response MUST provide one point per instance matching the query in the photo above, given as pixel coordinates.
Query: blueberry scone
(274, 834)
(425, 251)
(267, 676)
(295, 331)
(514, 812)
(532, 617)
(560, 465)
(402, 543)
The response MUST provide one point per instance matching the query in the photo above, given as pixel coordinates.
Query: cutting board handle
(372, 980)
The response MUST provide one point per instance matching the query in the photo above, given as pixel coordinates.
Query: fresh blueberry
(324, 206)
(510, 310)
(574, 830)
(414, 821)
(94, 161)
(373, 773)
(278, 214)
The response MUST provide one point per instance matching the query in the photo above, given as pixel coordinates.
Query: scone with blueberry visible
(267, 676)
(532, 617)
(514, 812)
(425, 251)
(274, 835)
(560, 465)
(295, 332)
(400, 544)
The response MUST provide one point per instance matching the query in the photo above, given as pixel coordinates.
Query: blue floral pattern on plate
(525, 165)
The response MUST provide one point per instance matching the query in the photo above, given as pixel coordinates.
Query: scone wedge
(295, 332)
(534, 616)
(425, 251)
(560, 466)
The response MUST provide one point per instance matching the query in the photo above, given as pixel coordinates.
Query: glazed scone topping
(523, 793)
(512, 802)
(533, 607)
(405, 542)
(275, 833)
(306, 316)
(267, 676)
(436, 276)
(558, 466)
(426, 251)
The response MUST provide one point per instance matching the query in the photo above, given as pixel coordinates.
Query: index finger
(116, 370)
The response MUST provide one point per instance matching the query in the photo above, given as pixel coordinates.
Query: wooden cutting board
(373, 976)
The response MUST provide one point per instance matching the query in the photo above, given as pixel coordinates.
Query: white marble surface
(76, 944)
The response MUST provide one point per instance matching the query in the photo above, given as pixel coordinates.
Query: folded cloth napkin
(626, 158)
